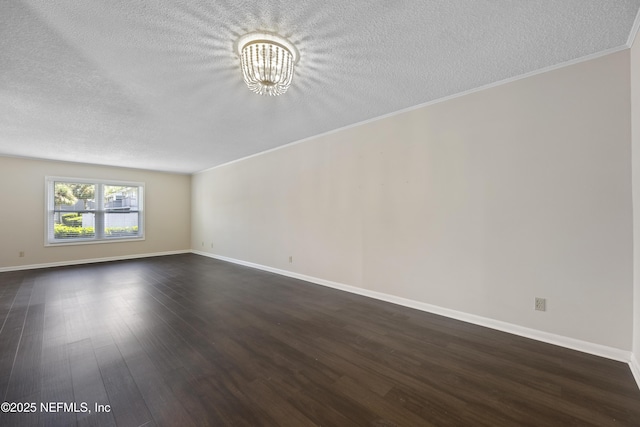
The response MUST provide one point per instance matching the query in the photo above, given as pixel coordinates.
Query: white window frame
(100, 211)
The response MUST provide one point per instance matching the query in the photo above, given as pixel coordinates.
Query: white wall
(476, 204)
(167, 212)
(635, 130)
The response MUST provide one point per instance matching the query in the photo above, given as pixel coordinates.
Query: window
(89, 211)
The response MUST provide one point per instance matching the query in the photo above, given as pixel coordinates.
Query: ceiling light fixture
(267, 62)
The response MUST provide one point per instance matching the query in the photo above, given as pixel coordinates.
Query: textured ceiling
(157, 84)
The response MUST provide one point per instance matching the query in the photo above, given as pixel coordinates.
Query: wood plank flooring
(186, 340)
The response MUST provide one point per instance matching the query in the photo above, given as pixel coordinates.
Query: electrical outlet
(541, 304)
(212, 245)
(21, 254)
(290, 259)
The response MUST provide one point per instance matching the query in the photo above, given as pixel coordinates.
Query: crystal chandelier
(267, 62)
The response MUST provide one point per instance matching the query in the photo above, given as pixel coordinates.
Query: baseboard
(559, 340)
(634, 364)
(89, 261)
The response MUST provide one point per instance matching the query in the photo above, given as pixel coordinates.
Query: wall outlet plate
(541, 304)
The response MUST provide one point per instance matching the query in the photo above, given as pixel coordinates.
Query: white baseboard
(559, 340)
(89, 261)
(634, 364)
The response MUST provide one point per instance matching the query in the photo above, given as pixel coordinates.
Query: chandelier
(267, 62)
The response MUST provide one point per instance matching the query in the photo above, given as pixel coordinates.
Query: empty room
(297, 213)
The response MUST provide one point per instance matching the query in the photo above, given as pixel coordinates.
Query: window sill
(94, 242)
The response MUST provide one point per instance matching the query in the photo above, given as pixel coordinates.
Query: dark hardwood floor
(190, 341)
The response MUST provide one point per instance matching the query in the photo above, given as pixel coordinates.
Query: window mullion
(99, 213)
